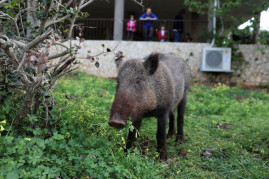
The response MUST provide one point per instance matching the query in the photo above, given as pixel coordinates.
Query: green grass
(232, 122)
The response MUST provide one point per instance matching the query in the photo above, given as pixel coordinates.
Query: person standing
(148, 19)
(131, 28)
(178, 27)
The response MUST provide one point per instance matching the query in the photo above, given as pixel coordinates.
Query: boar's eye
(137, 84)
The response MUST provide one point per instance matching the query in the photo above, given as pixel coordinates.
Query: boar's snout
(116, 121)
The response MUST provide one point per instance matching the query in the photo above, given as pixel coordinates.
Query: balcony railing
(102, 29)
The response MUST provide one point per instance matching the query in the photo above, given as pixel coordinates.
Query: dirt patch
(239, 97)
(225, 126)
(256, 88)
(146, 144)
(183, 153)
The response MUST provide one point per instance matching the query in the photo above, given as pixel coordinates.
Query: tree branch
(38, 40)
(22, 62)
(43, 22)
(57, 21)
(14, 21)
(86, 4)
(68, 4)
(33, 43)
(18, 43)
(139, 3)
(64, 66)
(72, 23)
(68, 15)
(20, 16)
(62, 60)
(60, 44)
(58, 55)
(5, 45)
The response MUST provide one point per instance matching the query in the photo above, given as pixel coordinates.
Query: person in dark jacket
(148, 19)
(178, 27)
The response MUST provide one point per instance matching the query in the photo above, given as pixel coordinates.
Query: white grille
(216, 59)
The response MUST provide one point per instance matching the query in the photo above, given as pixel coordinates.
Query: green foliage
(16, 8)
(83, 145)
(264, 37)
(227, 17)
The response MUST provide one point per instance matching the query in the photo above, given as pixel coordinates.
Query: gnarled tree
(29, 29)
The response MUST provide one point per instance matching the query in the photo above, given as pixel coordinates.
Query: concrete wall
(252, 71)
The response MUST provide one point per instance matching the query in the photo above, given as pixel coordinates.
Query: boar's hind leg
(180, 119)
(161, 135)
(132, 134)
(171, 130)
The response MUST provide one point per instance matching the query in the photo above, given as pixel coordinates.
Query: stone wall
(252, 69)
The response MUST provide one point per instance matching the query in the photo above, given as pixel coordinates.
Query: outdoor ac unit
(216, 60)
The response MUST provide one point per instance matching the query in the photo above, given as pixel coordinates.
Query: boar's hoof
(180, 139)
(117, 123)
(169, 135)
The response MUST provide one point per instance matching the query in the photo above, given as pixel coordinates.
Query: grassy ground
(226, 133)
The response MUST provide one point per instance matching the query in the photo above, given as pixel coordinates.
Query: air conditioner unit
(216, 60)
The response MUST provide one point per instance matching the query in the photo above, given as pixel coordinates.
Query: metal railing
(102, 29)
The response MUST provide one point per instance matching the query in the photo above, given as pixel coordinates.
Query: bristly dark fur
(155, 86)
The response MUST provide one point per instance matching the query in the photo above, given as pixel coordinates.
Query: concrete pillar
(118, 19)
(210, 17)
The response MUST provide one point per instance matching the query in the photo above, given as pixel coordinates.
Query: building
(107, 20)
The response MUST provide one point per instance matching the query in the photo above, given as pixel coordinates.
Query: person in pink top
(131, 28)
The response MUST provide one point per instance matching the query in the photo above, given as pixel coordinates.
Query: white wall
(253, 72)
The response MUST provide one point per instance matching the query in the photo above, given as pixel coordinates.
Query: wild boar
(152, 87)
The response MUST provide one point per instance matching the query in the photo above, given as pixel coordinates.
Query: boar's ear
(151, 64)
(119, 58)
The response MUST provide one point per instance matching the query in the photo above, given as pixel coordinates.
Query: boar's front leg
(132, 134)
(161, 135)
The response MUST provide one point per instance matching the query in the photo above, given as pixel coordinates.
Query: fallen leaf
(183, 153)
(97, 64)
(225, 126)
(207, 152)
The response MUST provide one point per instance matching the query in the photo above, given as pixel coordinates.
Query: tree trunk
(256, 30)
(37, 102)
(26, 106)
